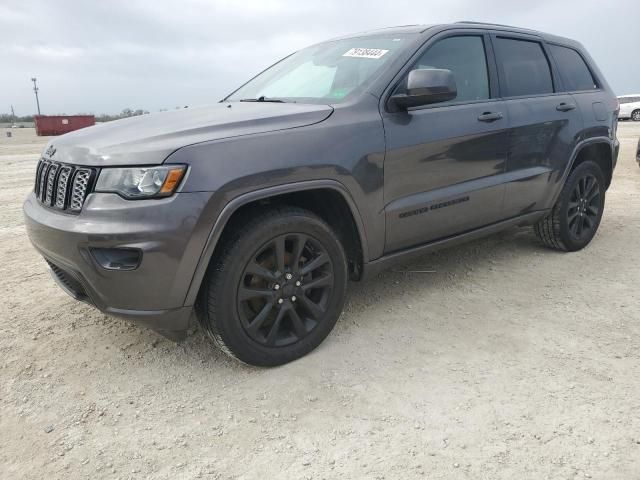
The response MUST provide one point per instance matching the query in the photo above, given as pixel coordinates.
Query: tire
(575, 217)
(259, 304)
(635, 115)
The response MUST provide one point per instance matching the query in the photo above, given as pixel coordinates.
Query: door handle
(565, 107)
(490, 116)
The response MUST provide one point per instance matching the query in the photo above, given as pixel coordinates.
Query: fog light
(117, 258)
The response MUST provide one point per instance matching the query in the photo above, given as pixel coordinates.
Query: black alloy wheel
(584, 207)
(574, 219)
(285, 289)
(276, 286)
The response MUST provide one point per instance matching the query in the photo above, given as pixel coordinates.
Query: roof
(510, 28)
(494, 25)
(420, 28)
(417, 29)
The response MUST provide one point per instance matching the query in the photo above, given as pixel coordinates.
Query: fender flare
(232, 206)
(574, 155)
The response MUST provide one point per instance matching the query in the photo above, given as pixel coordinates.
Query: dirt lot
(510, 362)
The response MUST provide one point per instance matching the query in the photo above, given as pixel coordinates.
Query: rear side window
(524, 68)
(575, 73)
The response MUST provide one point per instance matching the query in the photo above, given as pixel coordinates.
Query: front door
(445, 162)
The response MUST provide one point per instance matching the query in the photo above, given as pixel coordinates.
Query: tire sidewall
(224, 293)
(586, 168)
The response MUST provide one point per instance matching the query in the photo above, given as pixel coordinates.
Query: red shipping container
(58, 124)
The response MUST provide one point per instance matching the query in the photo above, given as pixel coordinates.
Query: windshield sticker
(374, 53)
(339, 93)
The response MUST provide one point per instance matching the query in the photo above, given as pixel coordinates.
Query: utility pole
(35, 90)
(13, 115)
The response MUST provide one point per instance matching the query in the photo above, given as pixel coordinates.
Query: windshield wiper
(262, 99)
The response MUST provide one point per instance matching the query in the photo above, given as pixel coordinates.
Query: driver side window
(465, 57)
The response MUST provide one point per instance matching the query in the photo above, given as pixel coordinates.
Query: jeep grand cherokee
(343, 157)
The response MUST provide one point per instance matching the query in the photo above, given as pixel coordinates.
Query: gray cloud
(105, 56)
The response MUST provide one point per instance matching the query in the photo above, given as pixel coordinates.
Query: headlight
(141, 182)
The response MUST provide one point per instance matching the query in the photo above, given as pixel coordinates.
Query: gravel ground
(509, 361)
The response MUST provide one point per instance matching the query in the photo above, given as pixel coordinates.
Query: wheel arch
(303, 193)
(584, 150)
(597, 149)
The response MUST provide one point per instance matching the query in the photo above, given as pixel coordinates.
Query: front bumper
(166, 231)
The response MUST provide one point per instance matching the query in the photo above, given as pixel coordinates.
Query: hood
(150, 139)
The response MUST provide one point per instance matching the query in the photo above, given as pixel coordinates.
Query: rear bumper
(165, 231)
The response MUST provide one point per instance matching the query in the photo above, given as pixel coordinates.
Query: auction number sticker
(374, 53)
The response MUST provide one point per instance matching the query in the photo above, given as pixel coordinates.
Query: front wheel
(635, 115)
(276, 289)
(575, 217)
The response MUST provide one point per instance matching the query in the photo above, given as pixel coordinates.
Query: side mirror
(425, 86)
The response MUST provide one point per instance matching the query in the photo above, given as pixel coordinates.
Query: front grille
(61, 186)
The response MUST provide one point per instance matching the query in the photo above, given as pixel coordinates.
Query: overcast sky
(103, 56)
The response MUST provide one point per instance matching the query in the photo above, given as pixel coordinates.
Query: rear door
(544, 122)
(444, 161)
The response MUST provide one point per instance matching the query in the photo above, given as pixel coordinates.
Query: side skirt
(371, 269)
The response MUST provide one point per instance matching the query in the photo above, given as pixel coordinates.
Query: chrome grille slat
(51, 178)
(43, 177)
(79, 189)
(63, 186)
(61, 189)
(38, 171)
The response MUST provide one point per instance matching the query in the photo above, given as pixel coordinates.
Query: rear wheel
(277, 288)
(635, 115)
(575, 217)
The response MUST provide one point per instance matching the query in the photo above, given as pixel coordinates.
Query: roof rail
(493, 24)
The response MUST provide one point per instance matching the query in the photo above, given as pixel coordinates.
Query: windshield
(325, 73)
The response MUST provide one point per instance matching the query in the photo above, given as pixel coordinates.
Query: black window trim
(555, 78)
(492, 72)
(595, 78)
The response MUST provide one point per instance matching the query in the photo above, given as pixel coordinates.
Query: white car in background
(629, 107)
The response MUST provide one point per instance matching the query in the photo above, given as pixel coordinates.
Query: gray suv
(345, 156)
